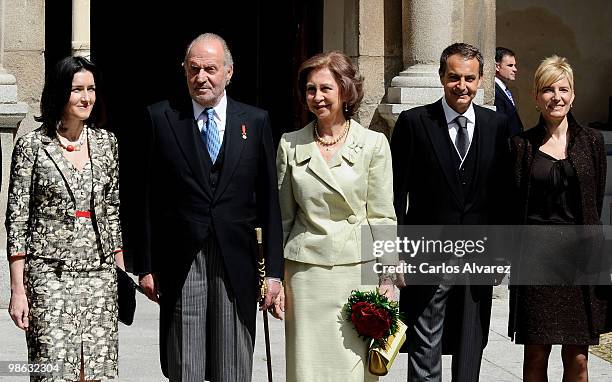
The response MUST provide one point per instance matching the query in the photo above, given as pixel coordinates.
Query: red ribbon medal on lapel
(243, 128)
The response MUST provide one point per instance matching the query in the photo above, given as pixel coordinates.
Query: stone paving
(139, 353)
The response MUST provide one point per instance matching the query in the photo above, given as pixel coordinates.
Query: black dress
(554, 191)
(560, 315)
(554, 198)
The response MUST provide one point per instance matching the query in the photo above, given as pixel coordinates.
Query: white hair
(227, 55)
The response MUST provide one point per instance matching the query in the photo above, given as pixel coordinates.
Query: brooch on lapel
(353, 150)
(356, 146)
(243, 128)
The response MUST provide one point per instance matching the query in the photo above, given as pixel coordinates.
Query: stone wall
(583, 33)
(479, 30)
(23, 58)
(24, 44)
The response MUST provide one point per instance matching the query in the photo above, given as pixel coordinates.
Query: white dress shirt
(503, 86)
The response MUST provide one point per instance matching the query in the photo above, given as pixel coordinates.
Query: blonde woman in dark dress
(64, 237)
(559, 173)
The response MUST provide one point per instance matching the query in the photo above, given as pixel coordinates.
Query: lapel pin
(243, 127)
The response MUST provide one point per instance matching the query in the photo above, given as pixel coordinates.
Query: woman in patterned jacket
(63, 230)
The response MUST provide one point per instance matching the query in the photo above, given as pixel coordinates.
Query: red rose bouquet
(374, 316)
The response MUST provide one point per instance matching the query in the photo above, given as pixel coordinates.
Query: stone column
(12, 113)
(426, 31)
(2, 71)
(81, 40)
(428, 26)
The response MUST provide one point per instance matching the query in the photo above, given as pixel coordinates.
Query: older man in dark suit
(209, 179)
(447, 160)
(505, 73)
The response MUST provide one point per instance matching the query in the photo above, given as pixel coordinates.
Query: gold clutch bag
(381, 359)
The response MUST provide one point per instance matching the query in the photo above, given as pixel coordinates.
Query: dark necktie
(462, 142)
(210, 135)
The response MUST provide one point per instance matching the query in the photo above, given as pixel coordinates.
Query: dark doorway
(140, 52)
(58, 31)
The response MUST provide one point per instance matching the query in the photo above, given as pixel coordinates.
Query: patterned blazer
(40, 216)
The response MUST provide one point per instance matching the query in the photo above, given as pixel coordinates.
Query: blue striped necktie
(210, 134)
(509, 93)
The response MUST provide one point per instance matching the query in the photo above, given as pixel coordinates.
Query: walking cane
(263, 289)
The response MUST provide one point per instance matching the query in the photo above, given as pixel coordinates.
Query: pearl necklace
(73, 146)
(329, 144)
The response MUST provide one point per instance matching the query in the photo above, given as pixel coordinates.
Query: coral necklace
(73, 146)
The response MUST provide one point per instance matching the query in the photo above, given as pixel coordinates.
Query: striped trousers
(424, 343)
(202, 335)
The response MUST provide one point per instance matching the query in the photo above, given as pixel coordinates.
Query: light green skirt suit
(324, 206)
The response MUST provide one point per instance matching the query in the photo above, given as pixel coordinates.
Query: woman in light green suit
(334, 177)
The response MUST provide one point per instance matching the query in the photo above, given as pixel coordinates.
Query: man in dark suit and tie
(208, 179)
(447, 162)
(505, 72)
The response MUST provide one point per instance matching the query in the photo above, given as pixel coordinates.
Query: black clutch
(126, 296)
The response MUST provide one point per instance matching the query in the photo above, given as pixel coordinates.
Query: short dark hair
(501, 52)
(467, 51)
(56, 93)
(344, 72)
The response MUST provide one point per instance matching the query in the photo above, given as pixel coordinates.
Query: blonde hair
(551, 70)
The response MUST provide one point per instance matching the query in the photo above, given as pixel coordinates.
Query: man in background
(505, 73)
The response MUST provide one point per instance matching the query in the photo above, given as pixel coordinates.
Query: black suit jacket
(179, 210)
(424, 170)
(505, 106)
